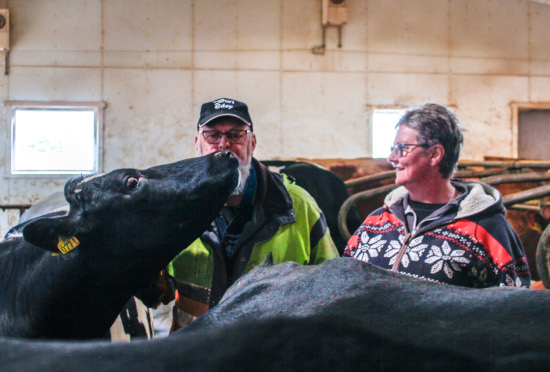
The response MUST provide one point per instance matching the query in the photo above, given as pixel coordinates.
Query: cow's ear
(52, 234)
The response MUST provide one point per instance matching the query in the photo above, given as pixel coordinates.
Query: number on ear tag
(66, 245)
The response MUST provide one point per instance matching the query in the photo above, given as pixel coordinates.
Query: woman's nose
(392, 157)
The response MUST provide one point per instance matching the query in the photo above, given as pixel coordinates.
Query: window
(530, 124)
(383, 130)
(54, 139)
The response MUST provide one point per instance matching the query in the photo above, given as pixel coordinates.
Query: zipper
(415, 230)
(408, 238)
(401, 252)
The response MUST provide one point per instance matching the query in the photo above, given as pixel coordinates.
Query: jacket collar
(475, 197)
(271, 192)
(481, 197)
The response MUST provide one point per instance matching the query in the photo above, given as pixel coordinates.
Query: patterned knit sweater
(467, 242)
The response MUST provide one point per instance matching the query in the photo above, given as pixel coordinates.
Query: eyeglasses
(402, 149)
(235, 136)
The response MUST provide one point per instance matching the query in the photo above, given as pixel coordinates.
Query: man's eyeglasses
(235, 136)
(402, 149)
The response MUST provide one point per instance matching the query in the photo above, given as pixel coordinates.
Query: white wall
(155, 61)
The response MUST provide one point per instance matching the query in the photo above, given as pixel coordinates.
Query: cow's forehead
(89, 178)
(79, 185)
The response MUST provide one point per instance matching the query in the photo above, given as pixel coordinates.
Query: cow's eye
(132, 182)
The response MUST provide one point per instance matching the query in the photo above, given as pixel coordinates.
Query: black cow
(135, 320)
(343, 315)
(490, 322)
(69, 276)
(328, 190)
(279, 344)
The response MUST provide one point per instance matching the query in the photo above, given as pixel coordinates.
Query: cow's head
(140, 208)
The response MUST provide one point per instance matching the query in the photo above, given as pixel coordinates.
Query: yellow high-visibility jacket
(286, 222)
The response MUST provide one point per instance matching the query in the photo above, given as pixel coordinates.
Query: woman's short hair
(436, 124)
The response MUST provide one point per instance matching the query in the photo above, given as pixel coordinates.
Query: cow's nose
(224, 154)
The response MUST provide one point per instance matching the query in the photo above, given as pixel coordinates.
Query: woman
(435, 227)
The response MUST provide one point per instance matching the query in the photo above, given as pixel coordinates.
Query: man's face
(242, 151)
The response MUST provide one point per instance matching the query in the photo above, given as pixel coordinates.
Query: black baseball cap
(224, 107)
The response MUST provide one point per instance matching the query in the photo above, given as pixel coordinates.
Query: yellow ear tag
(66, 245)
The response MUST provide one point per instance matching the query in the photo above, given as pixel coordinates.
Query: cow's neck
(87, 292)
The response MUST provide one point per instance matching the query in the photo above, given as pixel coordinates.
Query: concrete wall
(155, 61)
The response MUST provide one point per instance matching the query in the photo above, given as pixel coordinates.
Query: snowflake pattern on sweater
(460, 253)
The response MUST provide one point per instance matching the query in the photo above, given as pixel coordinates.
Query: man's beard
(244, 173)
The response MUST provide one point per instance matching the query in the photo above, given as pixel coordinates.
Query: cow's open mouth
(224, 154)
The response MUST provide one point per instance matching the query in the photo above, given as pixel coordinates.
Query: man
(436, 227)
(266, 214)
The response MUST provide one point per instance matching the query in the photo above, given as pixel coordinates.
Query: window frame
(97, 107)
(518, 107)
(371, 111)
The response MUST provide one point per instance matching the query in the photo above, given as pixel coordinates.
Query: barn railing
(515, 164)
(5, 224)
(21, 207)
(464, 171)
(510, 201)
(491, 172)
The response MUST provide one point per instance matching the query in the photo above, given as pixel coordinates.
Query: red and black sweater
(467, 242)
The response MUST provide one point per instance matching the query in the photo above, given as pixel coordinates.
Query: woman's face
(414, 167)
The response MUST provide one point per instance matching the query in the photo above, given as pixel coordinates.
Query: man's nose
(224, 142)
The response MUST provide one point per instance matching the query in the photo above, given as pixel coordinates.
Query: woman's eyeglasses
(402, 149)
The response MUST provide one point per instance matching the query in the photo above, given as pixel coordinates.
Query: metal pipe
(345, 208)
(507, 164)
(362, 181)
(523, 196)
(476, 173)
(497, 178)
(517, 178)
(508, 201)
(368, 179)
(524, 207)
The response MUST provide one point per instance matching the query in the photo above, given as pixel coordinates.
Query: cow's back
(406, 309)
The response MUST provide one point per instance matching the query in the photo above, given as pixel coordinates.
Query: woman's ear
(438, 152)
